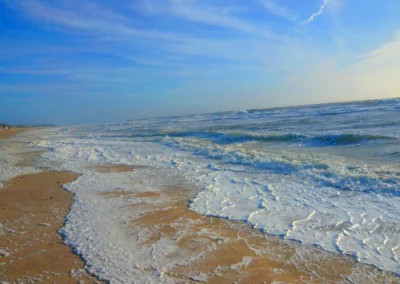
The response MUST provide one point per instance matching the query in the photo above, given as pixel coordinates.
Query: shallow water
(323, 175)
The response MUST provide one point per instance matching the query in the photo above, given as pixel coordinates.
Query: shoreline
(205, 249)
(233, 251)
(33, 207)
(230, 251)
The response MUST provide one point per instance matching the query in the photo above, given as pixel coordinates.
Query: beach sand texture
(234, 252)
(33, 207)
(5, 133)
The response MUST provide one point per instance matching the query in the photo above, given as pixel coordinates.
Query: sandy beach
(33, 208)
(234, 252)
(5, 133)
(199, 141)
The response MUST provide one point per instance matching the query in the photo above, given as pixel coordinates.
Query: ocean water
(11, 154)
(322, 175)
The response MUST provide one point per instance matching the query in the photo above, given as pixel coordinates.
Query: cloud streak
(101, 21)
(175, 51)
(207, 15)
(277, 10)
(313, 16)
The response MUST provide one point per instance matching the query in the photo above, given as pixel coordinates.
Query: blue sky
(94, 61)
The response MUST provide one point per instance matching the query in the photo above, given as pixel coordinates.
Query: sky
(96, 61)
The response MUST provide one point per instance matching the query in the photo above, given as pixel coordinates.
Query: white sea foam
(97, 228)
(337, 201)
(361, 224)
(11, 150)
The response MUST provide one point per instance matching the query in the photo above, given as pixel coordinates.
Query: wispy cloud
(313, 16)
(208, 15)
(387, 54)
(93, 18)
(197, 12)
(278, 10)
(99, 22)
(100, 48)
(373, 74)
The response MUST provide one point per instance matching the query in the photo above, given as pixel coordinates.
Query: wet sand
(224, 251)
(32, 209)
(5, 133)
(114, 168)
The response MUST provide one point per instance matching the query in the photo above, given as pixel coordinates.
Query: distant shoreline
(7, 132)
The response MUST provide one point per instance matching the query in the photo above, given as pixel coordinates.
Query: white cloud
(175, 49)
(97, 20)
(197, 12)
(205, 14)
(372, 75)
(277, 10)
(321, 9)
(387, 54)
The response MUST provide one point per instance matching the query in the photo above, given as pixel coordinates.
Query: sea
(325, 176)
